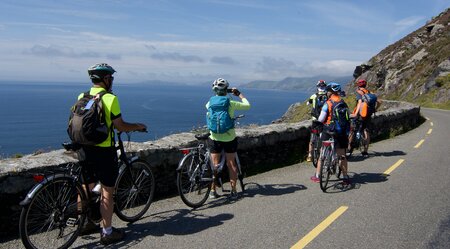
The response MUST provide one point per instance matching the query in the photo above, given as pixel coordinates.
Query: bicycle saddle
(202, 136)
(71, 146)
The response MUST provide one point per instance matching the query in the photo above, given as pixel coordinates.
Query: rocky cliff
(416, 68)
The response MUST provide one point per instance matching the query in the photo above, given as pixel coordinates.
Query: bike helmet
(321, 83)
(322, 90)
(220, 85)
(100, 70)
(333, 87)
(362, 83)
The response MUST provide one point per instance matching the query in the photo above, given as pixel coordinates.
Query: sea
(34, 115)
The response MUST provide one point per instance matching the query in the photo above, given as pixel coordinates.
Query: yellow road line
(431, 123)
(419, 143)
(429, 131)
(319, 228)
(393, 167)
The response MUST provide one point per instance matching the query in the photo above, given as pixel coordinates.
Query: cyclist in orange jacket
(341, 140)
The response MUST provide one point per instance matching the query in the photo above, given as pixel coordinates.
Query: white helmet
(321, 90)
(220, 85)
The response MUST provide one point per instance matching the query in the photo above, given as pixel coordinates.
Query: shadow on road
(253, 189)
(336, 186)
(365, 178)
(174, 222)
(358, 157)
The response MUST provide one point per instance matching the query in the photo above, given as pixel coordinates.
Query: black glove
(236, 92)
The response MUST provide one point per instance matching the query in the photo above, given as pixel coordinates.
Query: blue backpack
(369, 101)
(218, 119)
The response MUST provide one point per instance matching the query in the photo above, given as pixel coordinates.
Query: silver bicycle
(329, 163)
(195, 174)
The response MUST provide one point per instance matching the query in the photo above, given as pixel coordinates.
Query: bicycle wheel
(316, 149)
(325, 170)
(135, 187)
(194, 181)
(52, 218)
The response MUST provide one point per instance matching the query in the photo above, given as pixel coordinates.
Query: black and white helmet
(220, 85)
(100, 70)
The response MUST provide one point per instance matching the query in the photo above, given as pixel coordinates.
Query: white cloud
(176, 57)
(92, 15)
(244, 60)
(278, 68)
(224, 60)
(61, 51)
(244, 4)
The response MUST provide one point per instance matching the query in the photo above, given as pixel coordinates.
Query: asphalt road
(400, 198)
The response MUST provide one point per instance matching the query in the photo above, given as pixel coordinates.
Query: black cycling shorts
(100, 165)
(217, 146)
(340, 141)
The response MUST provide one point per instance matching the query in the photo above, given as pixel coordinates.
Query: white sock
(107, 230)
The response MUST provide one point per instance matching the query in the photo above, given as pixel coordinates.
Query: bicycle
(195, 173)
(329, 162)
(315, 140)
(57, 207)
(359, 137)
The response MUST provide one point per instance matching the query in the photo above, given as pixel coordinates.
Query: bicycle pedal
(72, 222)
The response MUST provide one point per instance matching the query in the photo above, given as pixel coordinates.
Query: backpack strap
(100, 94)
(362, 91)
(111, 128)
(330, 104)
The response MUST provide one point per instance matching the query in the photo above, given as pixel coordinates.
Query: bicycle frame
(206, 159)
(325, 152)
(73, 172)
(207, 154)
(329, 163)
(68, 193)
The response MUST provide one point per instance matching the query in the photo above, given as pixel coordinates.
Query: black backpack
(87, 125)
(320, 100)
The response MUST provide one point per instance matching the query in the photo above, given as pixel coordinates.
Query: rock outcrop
(415, 68)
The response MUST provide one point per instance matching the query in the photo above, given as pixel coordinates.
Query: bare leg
(343, 161)
(215, 159)
(366, 146)
(107, 206)
(350, 139)
(232, 169)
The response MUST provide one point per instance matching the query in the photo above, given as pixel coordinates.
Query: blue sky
(194, 41)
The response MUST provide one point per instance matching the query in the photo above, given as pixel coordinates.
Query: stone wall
(261, 148)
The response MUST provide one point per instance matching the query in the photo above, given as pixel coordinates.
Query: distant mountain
(414, 69)
(304, 84)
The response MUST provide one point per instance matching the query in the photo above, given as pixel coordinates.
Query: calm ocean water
(34, 115)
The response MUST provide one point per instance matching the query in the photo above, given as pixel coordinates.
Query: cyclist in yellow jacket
(226, 141)
(101, 159)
